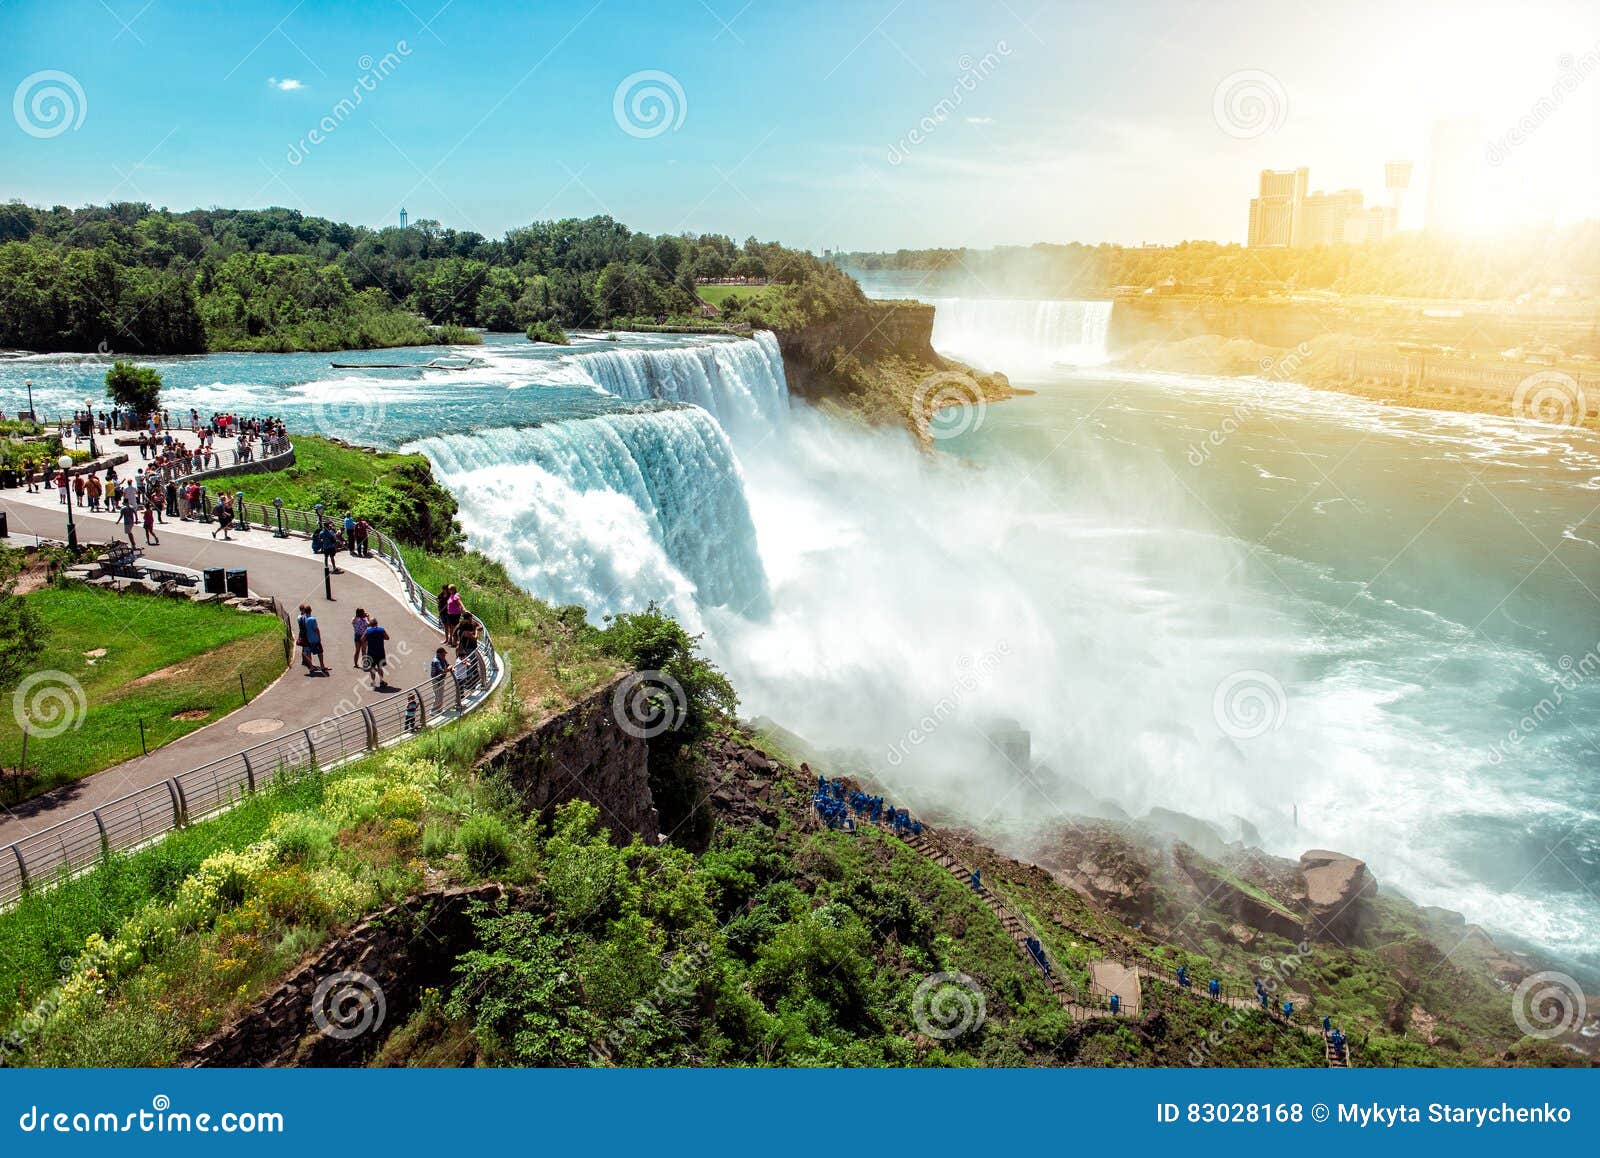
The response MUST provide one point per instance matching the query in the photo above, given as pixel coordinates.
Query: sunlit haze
(1048, 121)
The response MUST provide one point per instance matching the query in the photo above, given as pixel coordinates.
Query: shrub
(438, 841)
(303, 836)
(485, 843)
(547, 331)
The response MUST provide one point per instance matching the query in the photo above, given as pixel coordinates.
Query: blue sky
(872, 124)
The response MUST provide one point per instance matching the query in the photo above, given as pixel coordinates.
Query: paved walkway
(284, 568)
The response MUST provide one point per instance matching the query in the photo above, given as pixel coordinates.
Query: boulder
(1337, 888)
(1247, 904)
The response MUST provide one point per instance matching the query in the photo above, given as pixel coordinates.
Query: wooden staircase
(1075, 1008)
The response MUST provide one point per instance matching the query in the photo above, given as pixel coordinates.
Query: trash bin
(5, 531)
(212, 581)
(238, 582)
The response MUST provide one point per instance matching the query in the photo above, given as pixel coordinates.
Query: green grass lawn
(717, 294)
(323, 472)
(171, 663)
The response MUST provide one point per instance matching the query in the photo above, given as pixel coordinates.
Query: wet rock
(1337, 888)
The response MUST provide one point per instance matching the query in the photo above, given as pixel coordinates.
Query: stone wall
(257, 466)
(582, 753)
(338, 1007)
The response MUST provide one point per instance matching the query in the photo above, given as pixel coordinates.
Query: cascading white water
(890, 604)
(612, 511)
(1018, 333)
(740, 382)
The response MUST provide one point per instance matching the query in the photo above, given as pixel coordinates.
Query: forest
(127, 278)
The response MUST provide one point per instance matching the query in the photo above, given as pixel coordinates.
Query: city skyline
(859, 127)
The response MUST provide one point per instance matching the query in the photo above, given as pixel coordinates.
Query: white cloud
(980, 120)
(287, 84)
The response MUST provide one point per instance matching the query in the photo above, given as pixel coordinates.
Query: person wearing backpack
(310, 641)
(377, 652)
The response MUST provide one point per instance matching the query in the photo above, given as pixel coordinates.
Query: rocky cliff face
(336, 1007)
(815, 357)
(583, 753)
(877, 361)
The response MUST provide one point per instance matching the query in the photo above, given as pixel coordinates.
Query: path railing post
(179, 809)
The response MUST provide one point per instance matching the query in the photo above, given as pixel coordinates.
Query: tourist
(466, 637)
(413, 707)
(150, 523)
(223, 513)
(438, 668)
(377, 652)
(1216, 988)
(77, 488)
(125, 513)
(361, 536)
(310, 641)
(1116, 1004)
(359, 626)
(453, 610)
(95, 488)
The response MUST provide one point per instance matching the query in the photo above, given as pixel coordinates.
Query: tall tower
(402, 217)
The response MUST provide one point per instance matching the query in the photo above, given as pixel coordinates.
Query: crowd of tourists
(370, 646)
(169, 456)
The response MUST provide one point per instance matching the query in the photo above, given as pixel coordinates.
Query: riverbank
(1564, 394)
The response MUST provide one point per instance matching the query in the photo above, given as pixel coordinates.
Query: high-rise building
(1285, 214)
(1275, 216)
(1331, 218)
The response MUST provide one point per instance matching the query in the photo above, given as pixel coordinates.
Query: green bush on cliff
(547, 331)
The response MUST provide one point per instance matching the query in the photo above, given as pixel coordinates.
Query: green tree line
(129, 278)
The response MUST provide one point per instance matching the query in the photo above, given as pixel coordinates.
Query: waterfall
(611, 511)
(1007, 333)
(740, 382)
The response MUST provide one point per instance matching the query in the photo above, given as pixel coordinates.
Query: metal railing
(83, 841)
